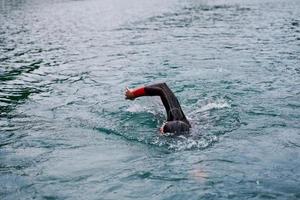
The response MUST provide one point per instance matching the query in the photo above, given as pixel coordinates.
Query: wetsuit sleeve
(151, 90)
(170, 102)
(157, 90)
(139, 92)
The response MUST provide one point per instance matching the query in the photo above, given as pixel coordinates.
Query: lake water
(66, 131)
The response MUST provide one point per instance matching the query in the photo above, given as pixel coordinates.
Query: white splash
(138, 108)
(217, 104)
(135, 108)
(188, 143)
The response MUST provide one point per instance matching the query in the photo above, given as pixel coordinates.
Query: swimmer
(176, 122)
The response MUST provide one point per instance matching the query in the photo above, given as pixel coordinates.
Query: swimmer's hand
(161, 129)
(129, 94)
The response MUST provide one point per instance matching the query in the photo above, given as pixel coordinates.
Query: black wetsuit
(169, 100)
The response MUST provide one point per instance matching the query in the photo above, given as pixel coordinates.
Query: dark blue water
(66, 131)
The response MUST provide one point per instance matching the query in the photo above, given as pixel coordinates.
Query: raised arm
(131, 94)
(150, 90)
(169, 100)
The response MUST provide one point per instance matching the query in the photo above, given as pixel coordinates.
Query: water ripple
(66, 131)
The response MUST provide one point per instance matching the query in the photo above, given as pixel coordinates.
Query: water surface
(66, 131)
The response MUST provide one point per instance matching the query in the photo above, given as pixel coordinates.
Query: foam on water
(187, 142)
(212, 104)
(136, 108)
(200, 137)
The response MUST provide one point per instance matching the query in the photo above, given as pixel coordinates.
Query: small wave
(135, 108)
(185, 143)
(217, 104)
(152, 108)
(181, 143)
(167, 142)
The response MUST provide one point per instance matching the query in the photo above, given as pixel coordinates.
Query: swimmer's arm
(131, 94)
(151, 90)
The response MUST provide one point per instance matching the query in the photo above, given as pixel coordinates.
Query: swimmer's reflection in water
(176, 122)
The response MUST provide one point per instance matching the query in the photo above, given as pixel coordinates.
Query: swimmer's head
(176, 127)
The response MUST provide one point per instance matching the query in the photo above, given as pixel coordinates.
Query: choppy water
(68, 133)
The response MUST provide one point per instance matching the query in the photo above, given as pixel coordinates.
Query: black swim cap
(177, 127)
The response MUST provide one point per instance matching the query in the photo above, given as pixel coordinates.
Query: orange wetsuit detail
(139, 92)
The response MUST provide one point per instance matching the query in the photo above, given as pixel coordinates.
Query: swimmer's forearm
(150, 90)
(134, 93)
(138, 92)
